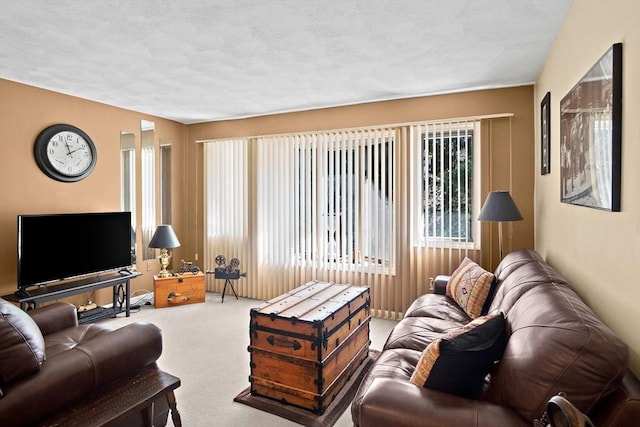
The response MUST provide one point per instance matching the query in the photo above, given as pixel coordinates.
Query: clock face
(69, 153)
(65, 153)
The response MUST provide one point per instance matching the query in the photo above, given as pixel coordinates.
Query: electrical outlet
(196, 257)
(430, 283)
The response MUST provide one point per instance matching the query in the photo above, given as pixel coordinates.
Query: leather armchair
(77, 359)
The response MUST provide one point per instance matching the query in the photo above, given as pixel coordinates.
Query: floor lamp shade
(164, 238)
(499, 207)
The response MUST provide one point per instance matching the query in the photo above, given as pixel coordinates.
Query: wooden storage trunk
(306, 344)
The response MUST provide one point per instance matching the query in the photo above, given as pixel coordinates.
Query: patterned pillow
(469, 286)
(459, 362)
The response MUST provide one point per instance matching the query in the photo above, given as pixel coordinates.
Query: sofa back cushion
(556, 343)
(21, 344)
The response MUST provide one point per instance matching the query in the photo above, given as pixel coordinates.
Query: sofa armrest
(119, 352)
(622, 407)
(391, 402)
(69, 376)
(440, 284)
(55, 317)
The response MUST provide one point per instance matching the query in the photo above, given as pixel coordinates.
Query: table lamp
(162, 239)
(499, 207)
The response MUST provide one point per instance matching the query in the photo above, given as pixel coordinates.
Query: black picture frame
(545, 134)
(591, 134)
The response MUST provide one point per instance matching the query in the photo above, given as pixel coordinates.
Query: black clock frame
(40, 152)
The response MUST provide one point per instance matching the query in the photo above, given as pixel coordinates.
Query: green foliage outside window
(448, 184)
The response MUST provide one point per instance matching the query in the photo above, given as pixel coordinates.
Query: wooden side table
(122, 399)
(187, 288)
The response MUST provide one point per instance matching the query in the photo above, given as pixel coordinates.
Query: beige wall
(24, 112)
(597, 251)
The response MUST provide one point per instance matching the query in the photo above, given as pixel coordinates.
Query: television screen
(61, 246)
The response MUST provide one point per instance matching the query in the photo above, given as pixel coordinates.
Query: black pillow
(459, 362)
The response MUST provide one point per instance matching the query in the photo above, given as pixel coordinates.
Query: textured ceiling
(196, 60)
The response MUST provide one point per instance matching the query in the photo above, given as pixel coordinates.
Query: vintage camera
(224, 271)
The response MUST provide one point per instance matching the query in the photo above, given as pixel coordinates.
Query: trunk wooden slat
(305, 344)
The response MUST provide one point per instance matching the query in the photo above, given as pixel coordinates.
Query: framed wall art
(545, 134)
(590, 136)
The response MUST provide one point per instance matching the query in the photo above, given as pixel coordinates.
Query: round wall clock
(65, 153)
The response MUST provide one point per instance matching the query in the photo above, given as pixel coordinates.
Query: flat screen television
(63, 246)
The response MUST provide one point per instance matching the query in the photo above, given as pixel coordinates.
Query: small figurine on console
(188, 267)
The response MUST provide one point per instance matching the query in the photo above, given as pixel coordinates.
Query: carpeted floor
(205, 345)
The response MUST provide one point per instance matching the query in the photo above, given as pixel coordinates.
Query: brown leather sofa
(555, 344)
(48, 362)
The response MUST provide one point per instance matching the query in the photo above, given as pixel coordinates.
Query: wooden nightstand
(176, 290)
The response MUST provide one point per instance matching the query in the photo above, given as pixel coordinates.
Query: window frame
(420, 237)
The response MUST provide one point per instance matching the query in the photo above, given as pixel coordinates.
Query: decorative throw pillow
(22, 343)
(469, 286)
(459, 362)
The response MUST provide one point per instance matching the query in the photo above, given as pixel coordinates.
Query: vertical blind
(326, 200)
(325, 204)
(226, 211)
(389, 208)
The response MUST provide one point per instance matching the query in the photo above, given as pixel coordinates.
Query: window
(385, 207)
(128, 183)
(148, 165)
(128, 174)
(341, 193)
(226, 191)
(445, 184)
(226, 210)
(165, 182)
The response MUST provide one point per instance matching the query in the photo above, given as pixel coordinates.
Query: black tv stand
(23, 293)
(121, 294)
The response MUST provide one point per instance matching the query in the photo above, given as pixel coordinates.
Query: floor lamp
(499, 207)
